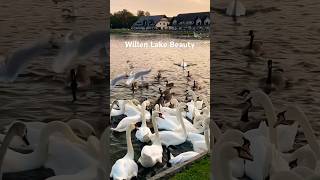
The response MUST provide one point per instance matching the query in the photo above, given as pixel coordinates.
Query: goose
(126, 167)
(12, 64)
(15, 162)
(196, 85)
(224, 154)
(159, 76)
(82, 79)
(235, 8)
(178, 136)
(152, 154)
(254, 49)
(274, 80)
(143, 133)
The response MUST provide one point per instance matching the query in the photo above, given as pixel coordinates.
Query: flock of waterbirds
(54, 150)
(173, 122)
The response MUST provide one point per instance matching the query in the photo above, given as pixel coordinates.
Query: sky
(159, 7)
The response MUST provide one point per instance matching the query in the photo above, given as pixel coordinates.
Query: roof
(192, 16)
(151, 20)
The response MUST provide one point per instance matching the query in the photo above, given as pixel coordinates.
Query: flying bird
(12, 64)
(79, 49)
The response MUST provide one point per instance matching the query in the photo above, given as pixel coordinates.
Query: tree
(122, 19)
(140, 13)
(147, 13)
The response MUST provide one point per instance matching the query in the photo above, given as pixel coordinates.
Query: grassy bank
(198, 171)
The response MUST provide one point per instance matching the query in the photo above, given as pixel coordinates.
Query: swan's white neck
(4, 148)
(156, 131)
(221, 163)
(179, 116)
(271, 116)
(130, 152)
(308, 131)
(143, 115)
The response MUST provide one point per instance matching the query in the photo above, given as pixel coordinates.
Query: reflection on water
(158, 59)
(39, 94)
(290, 32)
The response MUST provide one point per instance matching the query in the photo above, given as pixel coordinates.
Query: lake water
(35, 95)
(162, 59)
(290, 31)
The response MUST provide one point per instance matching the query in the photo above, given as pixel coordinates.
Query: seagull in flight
(12, 64)
(183, 64)
(129, 77)
(79, 49)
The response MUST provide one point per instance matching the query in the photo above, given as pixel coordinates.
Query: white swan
(236, 8)
(182, 157)
(81, 128)
(133, 116)
(16, 162)
(143, 133)
(224, 154)
(292, 176)
(126, 167)
(178, 136)
(201, 143)
(16, 130)
(152, 154)
(264, 149)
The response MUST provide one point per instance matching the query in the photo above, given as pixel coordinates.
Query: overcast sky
(158, 7)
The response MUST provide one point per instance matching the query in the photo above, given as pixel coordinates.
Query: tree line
(125, 19)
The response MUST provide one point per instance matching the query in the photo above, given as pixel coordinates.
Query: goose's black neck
(251, 41)
(269, 72)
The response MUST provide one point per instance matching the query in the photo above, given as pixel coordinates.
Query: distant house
(191, 21)
(159, 22)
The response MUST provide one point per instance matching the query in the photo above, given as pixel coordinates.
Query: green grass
(199, 170)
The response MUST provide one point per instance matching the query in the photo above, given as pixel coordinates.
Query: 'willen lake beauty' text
(158, 44)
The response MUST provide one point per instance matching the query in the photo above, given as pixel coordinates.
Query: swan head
(232, 150)
(244, 93)
(20, 130)
(83, 128)
(284, 119)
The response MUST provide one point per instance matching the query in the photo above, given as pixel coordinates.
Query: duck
(235, 9)
(169, 85)
(126, 167)
(178, 136)
(224, 154)
(255, 48)
(195, 86)
(152, 154)
(82, 78)
(143, 133)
